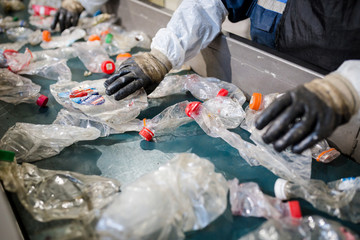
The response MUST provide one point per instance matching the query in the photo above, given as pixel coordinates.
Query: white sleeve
(194, 24)
(91, 6)
(350, 69)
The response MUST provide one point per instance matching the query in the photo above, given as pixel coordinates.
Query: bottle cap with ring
(279, 188)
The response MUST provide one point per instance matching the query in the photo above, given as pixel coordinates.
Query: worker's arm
(194, 24)
(311, 112)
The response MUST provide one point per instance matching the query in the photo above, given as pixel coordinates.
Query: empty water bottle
(310, 227)
(248, 200)
(169, 119)
(52, 195)
(339, 198)
(94, 57)
(32, 142)
(16, 89)
(67, 37)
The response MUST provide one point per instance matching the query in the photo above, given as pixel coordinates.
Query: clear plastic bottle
(339, 198)
(54, 54)
(19, 33)
(247, 199)
(309, 227)
(322, 152)
(16, 89)
(32, 142)
(170, 118)
(15, 46)
(94, 57)
(12, 24)
(67, 38)
(53, 195)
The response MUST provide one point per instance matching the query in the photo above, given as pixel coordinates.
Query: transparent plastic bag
(169, 119)
(248, 200)
(32, 142)
(184, 194)
(339, 198)
(16, 89)
(90, 98)
(310, 227)
(67, 38)
(53, 195)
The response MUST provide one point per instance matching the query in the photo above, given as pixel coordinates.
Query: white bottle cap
(279, 188)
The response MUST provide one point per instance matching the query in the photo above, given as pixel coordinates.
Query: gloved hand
(68, 15)
(142, 71)
(308, 113)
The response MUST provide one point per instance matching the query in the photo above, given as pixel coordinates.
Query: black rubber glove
(65, 18)
(142, 71)
(299, 119)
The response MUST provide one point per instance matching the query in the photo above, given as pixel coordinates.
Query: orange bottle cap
(94, 37)
(255, 101)
(46, 36)
(123, 56)
(103, 33)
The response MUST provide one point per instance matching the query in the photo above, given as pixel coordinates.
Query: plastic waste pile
(183, 195)
(32, 142)
(89, 97)
(339, 198)
(246, 199)
(52, 195)
(24, 34)
(16, 89)
(310, 227)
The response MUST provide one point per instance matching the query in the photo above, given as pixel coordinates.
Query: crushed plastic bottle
(53, 195)
(169, 119)
(248, 200)
(15, 46)
(338, 198)
(17, 61)
(67, 38)
(7, 23)
(184, 194)
(310, 227)
(16, 89)
(54, 54)
(94, 57)
(322, 152)
(90, 98)
(32, 142)
(295, 167)
(19, 34)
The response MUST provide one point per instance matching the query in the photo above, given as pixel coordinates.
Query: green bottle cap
(108, 38)
(15, 19)
(7, 156)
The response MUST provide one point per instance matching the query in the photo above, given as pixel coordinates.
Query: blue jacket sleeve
(239, 9)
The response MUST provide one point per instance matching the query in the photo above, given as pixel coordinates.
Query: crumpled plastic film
(32, 142)
(182, 195)
(310, 227)
(52, 195)
(90, 98)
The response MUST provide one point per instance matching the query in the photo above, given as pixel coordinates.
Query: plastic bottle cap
(94, 37)
(279, 188)
(295, 210)
(15, 19)
(123, 56)
(103, 33)
(46, 36)
(223, 93)
(255, 101)
(98, 12)
(108, 38)
(146, 133)
(108, 67)
(192, 108)
(42, 101)
(7, 156)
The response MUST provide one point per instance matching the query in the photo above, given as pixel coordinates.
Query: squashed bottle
(67, 38)
(53, 195)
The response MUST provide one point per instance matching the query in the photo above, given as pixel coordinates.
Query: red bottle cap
(192, 108)
(42, 101)
(222, 93)
(295, 210)
(146, 134)
(108, 67)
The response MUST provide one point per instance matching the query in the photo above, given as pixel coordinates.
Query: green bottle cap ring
(7, 156)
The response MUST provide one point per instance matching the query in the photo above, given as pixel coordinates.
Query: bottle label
(84, 96)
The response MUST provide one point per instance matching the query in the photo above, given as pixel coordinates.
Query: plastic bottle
(5, 24)
(16, 89)
(53, 195)
(322, 152)
(54, 54)
(338, 198)
(67, 38)
(94, 57)
(32, 142)
(15, 46)
(309, 227)
(170, 118)
(19, 34)
(247, 199)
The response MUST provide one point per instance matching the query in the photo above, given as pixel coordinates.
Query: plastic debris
(67, 38)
